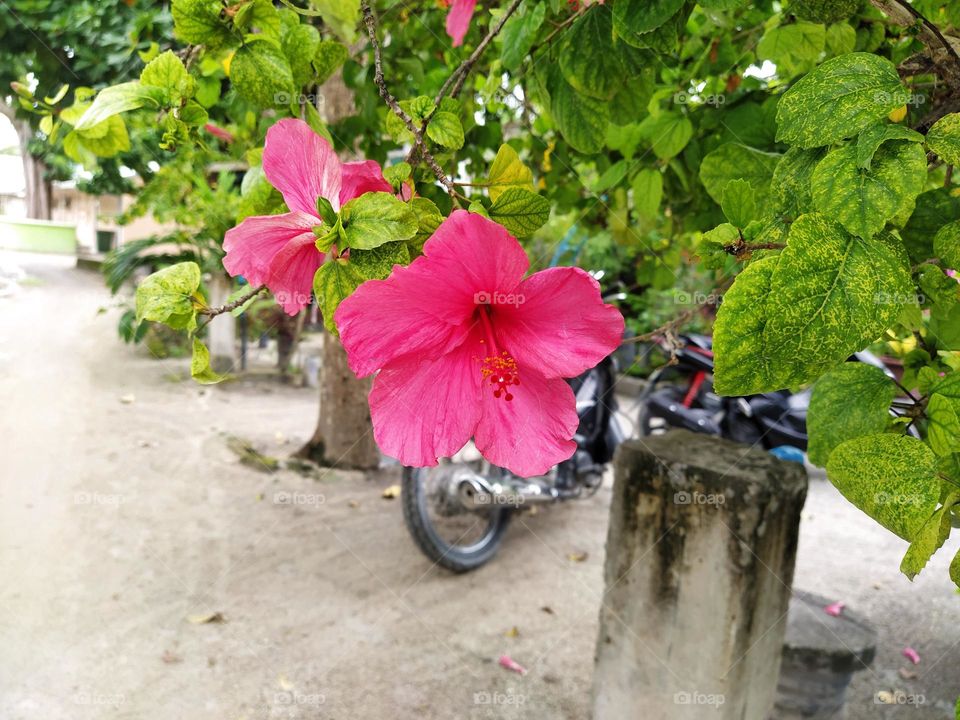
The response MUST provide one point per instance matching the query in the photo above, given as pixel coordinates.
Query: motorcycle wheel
(450, 535)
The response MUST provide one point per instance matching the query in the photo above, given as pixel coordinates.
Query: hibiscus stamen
(499, 367)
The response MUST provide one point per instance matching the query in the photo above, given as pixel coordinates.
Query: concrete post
(222, 330)
(700, 554)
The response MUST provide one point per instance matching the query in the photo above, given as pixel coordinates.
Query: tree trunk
(39, 188)
(344, 435)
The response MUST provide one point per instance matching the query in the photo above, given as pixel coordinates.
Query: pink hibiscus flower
(458, 19)
(466, 347)
(280, 251)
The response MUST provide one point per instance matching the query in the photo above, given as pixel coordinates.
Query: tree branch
(905, 15)
(392, 103)
(214, 311)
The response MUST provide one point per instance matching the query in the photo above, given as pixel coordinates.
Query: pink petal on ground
(360, 178)
(301, 165)
(424, 408)
(253, 244)
(510, 664)
(558, 323)
(835, 609)
(533, 431)
(292, 271)
(912, 655)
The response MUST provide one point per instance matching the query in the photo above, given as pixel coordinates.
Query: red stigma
(502, 372)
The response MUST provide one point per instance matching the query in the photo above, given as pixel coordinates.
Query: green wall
(38, 236)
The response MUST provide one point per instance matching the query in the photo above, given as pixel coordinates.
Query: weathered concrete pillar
(222, 330)
(700, 555)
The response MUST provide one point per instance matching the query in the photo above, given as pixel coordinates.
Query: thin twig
(392, 103)
(213, 311)
(905, 15)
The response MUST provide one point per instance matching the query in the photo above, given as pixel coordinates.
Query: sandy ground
(123, 523)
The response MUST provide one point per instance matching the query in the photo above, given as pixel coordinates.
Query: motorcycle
(457, 512)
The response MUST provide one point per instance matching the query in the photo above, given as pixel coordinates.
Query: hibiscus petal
(532, 432)
(558, 322)
(252, 245)
(428, 306)
(292, 271)
(301, 165)
(482, 256)
(458, 20)
(425, 409)
(360, 178)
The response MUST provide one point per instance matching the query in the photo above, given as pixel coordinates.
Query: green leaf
(633, 18)
(341, 15)
(929, 539)
(582, 120)
(826, 296)
(745, 359)
(519, 34)
(824, 10)
(336, 280)
(944, 138)
(521, 212)
(199, 22)
(167, 296)
(376, 218)
(647, 192)
(587, 58)
(261, 74)
(791, 183)
(508, 171)
(892, 478)
(445, 129)
(838, 99)
(934, 209)
(397, 174)
(330, 55)
(863, 200)
(946, 244)
(850, 401)
(874, 136)
(428, 220)
(712, 248)
(300, 46)
(955, 576)
(611, 177)
(200, 369)
(738, 202)
(117, 99)
(793, 48)
(167, 71)
(732, 161)
(943, 427)
(668, 132)
(115, 140)
(193, 114)
(841, 39)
